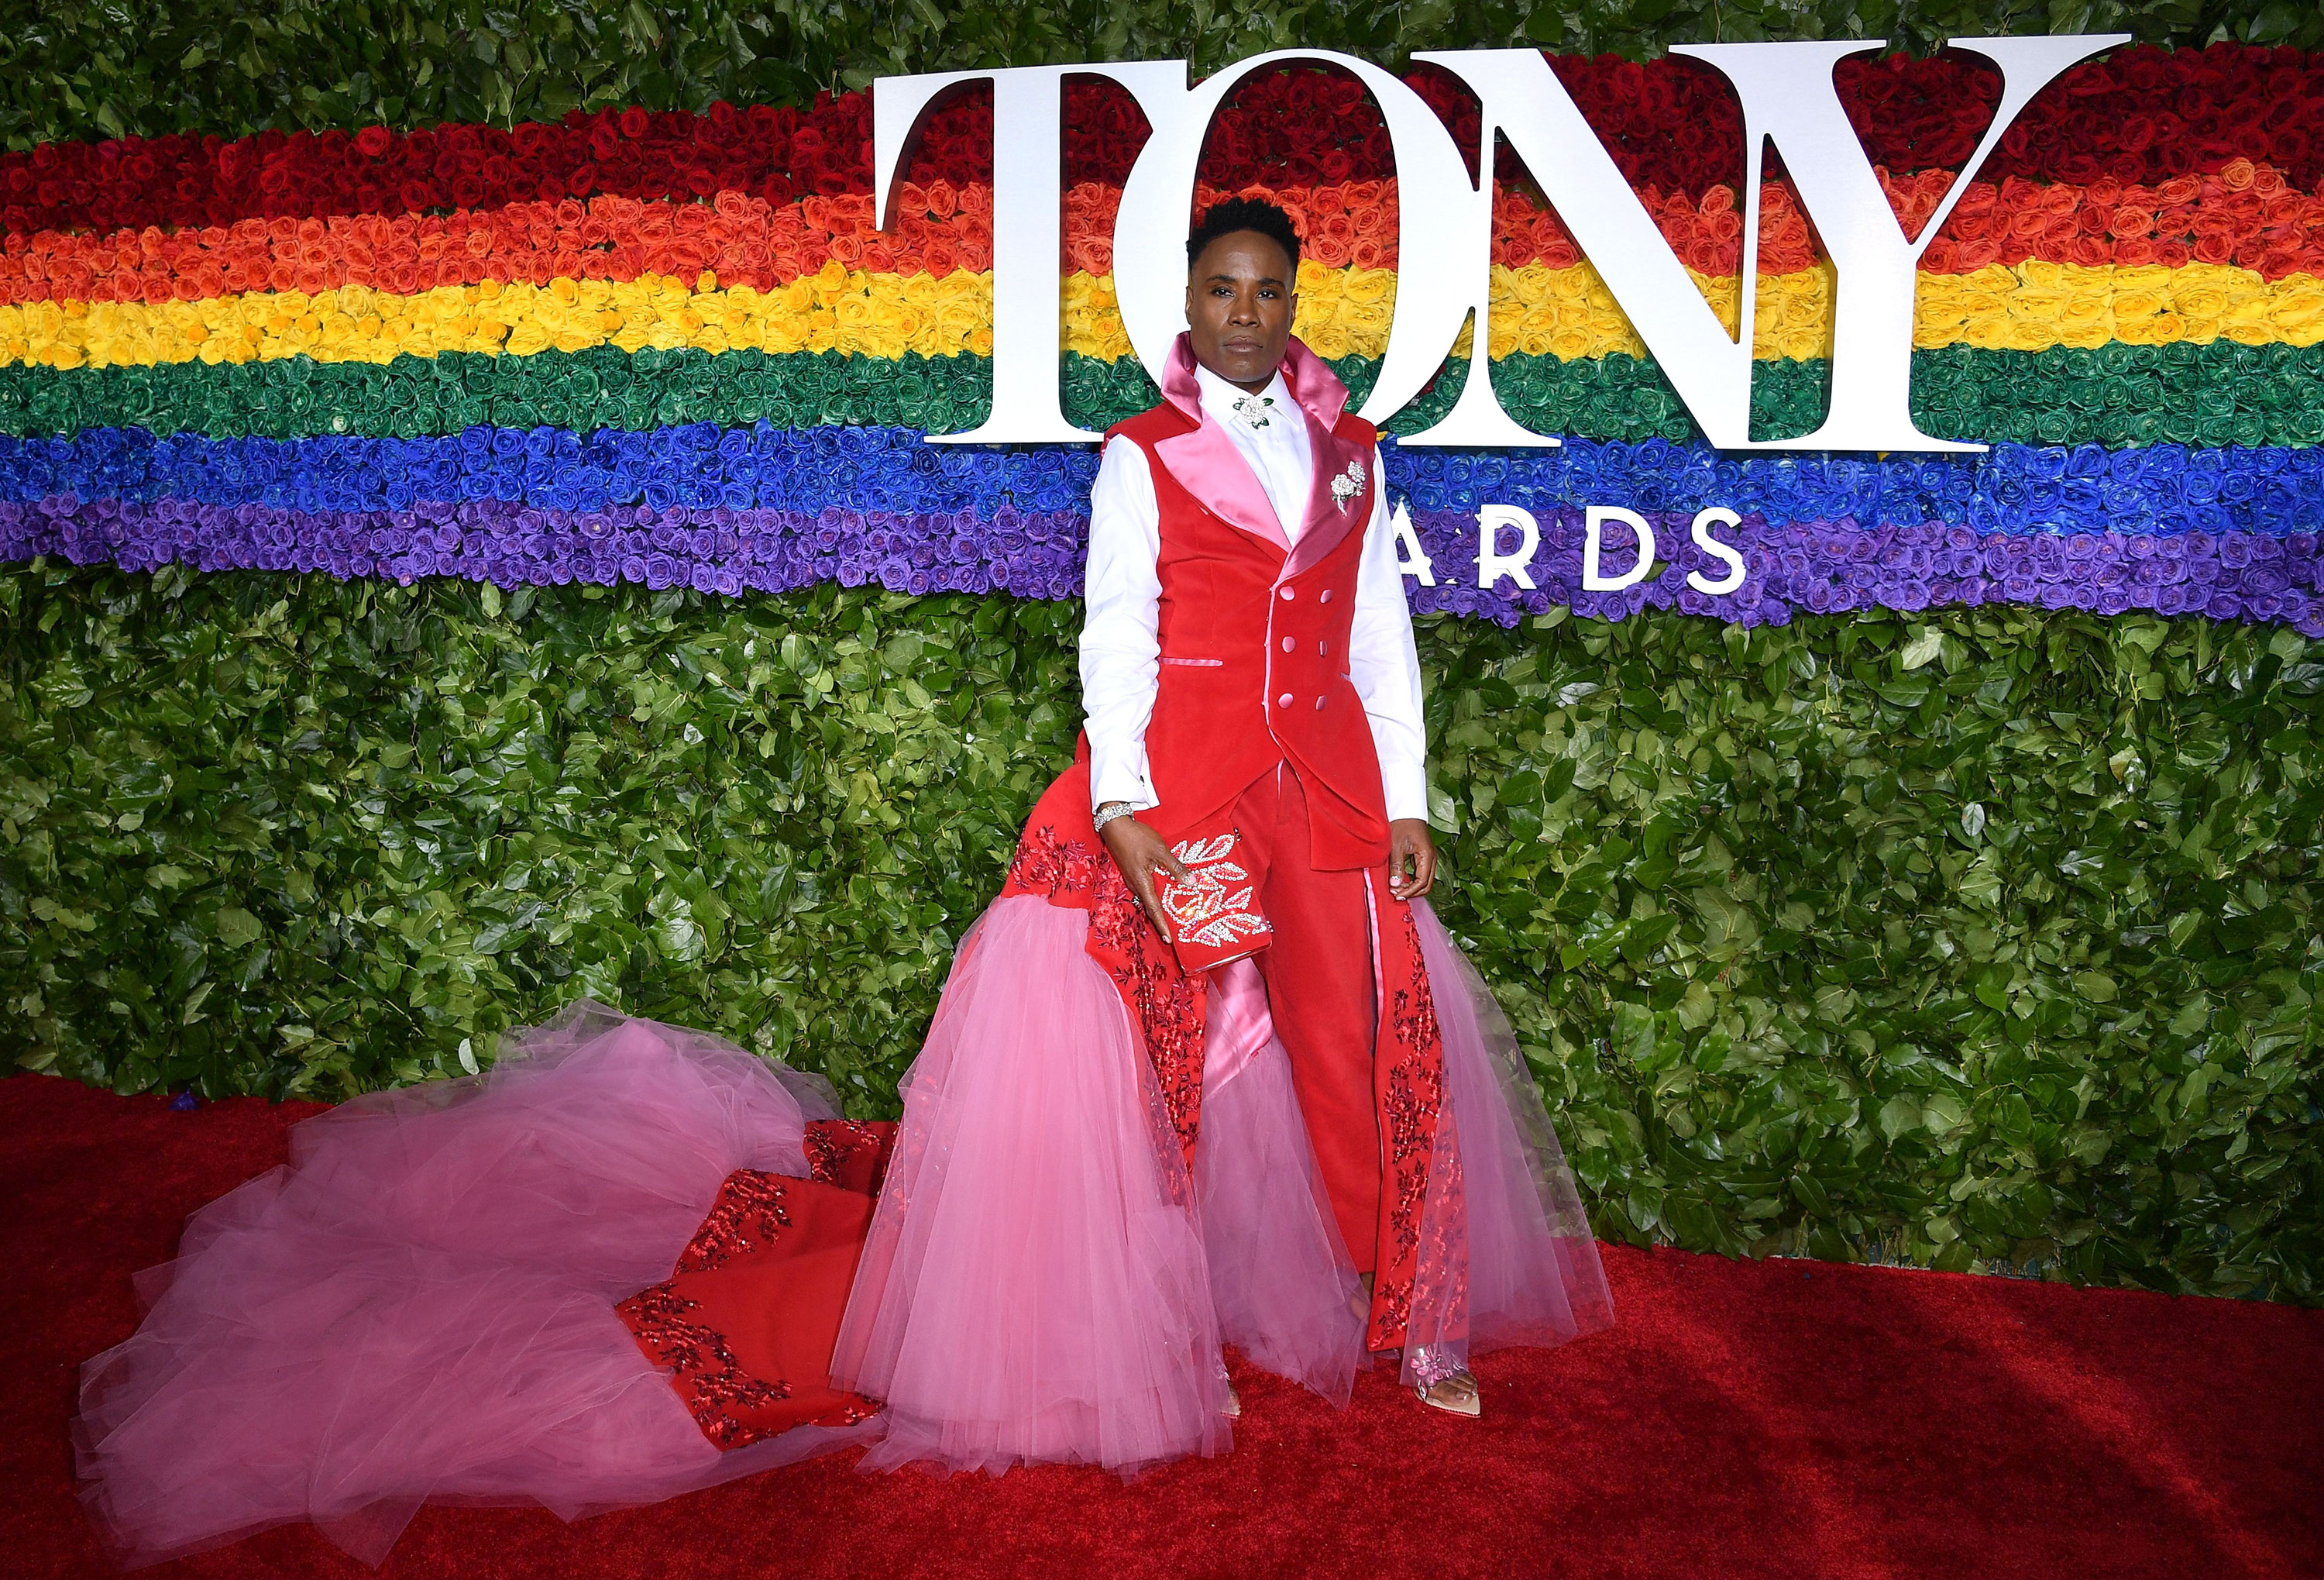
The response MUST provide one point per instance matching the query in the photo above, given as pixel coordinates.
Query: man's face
(1239, 306)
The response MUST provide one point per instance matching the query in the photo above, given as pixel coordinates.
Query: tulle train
(419, 1307)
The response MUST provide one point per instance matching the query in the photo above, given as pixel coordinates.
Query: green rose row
(2183, 393)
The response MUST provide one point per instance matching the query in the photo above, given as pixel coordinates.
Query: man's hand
(1137, 850)
(1411, 858)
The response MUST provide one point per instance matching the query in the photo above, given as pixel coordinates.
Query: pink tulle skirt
(1043, 1281)
(420, 1306)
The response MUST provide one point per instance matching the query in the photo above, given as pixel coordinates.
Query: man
(1110, 1165)
(1224, 690)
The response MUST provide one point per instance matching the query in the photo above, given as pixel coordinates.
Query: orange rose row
(2245, 215)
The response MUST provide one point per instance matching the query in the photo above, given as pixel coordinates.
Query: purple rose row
(1828, 567)
(1820, 566)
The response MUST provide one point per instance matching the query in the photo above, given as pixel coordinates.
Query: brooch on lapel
(1347, 484)
(1253, 410)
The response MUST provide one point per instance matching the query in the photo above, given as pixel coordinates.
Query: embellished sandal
(1233, 1406)
(1463, 1402)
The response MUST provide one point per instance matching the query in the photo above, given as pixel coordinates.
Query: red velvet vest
(1254, 639)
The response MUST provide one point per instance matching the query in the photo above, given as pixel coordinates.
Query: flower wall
(669, 348)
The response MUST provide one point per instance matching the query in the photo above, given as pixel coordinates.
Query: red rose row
(2140, 116)
(2245, 215)
(745, 241)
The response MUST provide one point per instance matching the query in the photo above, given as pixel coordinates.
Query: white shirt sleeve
(1120, 647)
(1384, 665)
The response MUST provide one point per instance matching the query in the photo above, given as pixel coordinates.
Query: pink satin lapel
(1206, 463)
(1204, 460)
(1179, 386)
(1322, 396)
(1328, 521)
(1314, 384)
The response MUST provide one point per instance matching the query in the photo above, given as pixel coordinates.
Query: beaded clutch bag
(1214, 914)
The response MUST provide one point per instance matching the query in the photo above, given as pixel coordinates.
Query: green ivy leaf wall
(1976, 939)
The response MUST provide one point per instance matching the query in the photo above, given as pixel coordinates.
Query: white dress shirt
(1121, 650)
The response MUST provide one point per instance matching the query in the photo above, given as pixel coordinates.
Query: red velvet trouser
(1322, 997)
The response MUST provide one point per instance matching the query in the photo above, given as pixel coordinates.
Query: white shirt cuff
(1407, 793)
(1120, 780)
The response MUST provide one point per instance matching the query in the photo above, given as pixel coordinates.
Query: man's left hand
(1411, 858)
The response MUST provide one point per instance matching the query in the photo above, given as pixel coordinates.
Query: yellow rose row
(1566, 313)
(1569, 313)
(879, 315)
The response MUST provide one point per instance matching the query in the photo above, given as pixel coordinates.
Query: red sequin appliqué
(1411, 1102)
(749, 1217)
(850, 1154)
(715, 1388)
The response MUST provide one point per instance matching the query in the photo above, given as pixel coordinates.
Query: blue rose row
(1784, 566)
(2154, 488)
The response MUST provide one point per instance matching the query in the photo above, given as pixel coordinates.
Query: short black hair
(1233, 214)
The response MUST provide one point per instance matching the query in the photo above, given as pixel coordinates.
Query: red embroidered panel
(1167, 1003)
(746, 1324)
(1408, 1066)
(850, 1154)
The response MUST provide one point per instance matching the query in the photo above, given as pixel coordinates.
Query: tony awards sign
(1445, 229)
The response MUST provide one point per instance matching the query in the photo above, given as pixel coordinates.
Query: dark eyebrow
(1230, 279)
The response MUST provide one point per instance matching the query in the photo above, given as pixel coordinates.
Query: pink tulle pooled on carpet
(1506, 1255)
(1033, 1288)
(419, 1307)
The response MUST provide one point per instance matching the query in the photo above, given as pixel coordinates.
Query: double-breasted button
(1319, 704)
(1288, 645)
(1323, 648)
(1284, 700)
(1326, 598)
(1288, 594)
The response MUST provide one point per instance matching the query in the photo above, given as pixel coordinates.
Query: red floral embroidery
(1167, 1002)
(747, 1217)
(850, 1154)
(1065, 872)
(1410, 1055)
(1440, 1280)
(710, 1380)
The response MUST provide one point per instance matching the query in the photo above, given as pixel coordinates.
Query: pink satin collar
(1310, 379)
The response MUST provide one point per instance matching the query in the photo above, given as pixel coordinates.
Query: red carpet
(1780, 1419)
